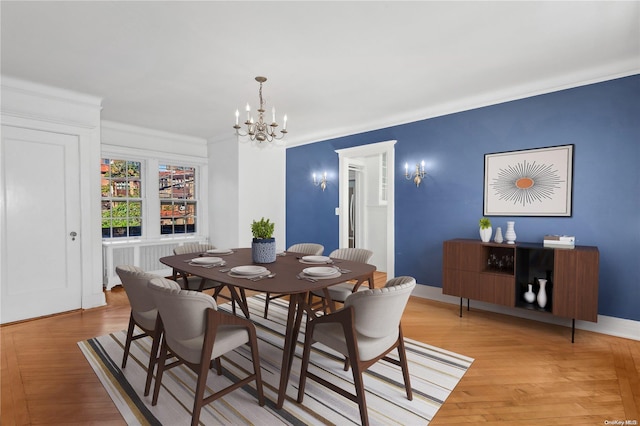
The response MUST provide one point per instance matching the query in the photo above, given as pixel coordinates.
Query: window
(121, 198)
(383, 178)
(177, 191)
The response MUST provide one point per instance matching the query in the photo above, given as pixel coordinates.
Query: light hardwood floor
(524, 373)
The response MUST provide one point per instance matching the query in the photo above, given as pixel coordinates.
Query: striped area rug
(434, 374)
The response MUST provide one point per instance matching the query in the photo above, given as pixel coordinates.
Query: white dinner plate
(207, 260)
(320, 271)
(220, 251)
(317, 259)
(249, 270)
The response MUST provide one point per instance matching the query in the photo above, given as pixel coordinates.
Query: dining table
(285, 276)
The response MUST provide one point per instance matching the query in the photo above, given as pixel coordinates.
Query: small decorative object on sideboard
(529, 296)
(510, 235)
(559, 241)
(263, 246)
(485, 230)
(542, 293)
(498, 238)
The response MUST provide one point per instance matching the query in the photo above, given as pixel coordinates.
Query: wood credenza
(500, 274)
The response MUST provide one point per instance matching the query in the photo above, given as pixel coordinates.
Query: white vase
(485, 234)
(530, 296)
(510, 235)
(498, 238)
(542, 293)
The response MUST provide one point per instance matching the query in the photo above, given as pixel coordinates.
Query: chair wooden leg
(153, 359)
(203, 371)
(218, 366)
(360, 396)
(402, 355)
(127, 344)
(161, 364)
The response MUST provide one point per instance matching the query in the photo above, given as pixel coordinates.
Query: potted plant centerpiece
(263, 247)
(485, 229)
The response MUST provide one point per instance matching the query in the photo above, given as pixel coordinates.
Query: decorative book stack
(559, 241)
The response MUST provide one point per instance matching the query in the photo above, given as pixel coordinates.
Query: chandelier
(260, 131)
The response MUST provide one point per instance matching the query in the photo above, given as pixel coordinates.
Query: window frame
(151, 161)
(114, 198)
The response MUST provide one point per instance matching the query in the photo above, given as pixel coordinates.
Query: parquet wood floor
(525, 372)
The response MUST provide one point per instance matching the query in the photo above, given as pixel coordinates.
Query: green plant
(485, 223)
(262, 229)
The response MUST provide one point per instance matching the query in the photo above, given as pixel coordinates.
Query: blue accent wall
(603, 122)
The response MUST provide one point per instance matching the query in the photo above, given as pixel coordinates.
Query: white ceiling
(334, 67)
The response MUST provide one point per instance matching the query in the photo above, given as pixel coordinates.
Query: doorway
(366, 201)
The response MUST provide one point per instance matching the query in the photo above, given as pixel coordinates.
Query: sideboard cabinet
(501, 274)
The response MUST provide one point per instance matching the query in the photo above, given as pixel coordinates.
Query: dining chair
(312, 249)
(143, 314)
(192, 282)
(340, 292)
(198, 334)
(365, 331)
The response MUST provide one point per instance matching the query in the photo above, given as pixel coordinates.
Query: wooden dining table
(288, 280)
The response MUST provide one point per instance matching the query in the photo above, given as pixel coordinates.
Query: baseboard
(612, 326)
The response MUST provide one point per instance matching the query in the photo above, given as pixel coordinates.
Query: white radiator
(144, 254)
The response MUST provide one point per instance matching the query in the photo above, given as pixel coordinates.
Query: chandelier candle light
(260, 131)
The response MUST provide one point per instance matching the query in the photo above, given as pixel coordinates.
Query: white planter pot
(485, 234)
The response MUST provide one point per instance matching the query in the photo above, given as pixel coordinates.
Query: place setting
(319, 273)
(218, 252)
(316, 260)
(206, 262)
(250, 272)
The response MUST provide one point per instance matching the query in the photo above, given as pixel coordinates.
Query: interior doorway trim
(344, 160)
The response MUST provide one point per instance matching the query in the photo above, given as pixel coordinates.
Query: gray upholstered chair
(365, 331)
(192, 282)
(197, 334)
(312, 249)
(340, 292)
(143, 314)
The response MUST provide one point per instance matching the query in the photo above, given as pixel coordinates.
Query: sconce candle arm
(417, 176)
(322, 183)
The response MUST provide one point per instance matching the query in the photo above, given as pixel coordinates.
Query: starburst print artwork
(529, 182)
(526, 183)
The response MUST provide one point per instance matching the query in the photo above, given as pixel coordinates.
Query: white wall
(247, 182)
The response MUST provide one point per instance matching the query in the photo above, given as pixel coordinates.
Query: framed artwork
(530, 182)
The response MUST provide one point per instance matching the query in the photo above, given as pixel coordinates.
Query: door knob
(73, 235)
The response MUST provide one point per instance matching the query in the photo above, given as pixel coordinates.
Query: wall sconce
(322, 182)
(417, 176)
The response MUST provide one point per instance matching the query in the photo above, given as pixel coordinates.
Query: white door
(40, 256)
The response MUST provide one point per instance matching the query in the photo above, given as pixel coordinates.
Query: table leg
(242, 301)
(294, 319)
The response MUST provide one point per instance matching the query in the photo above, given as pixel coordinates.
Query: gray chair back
(312, 249)
(378, 311)
(354, 254)
(134, 280)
